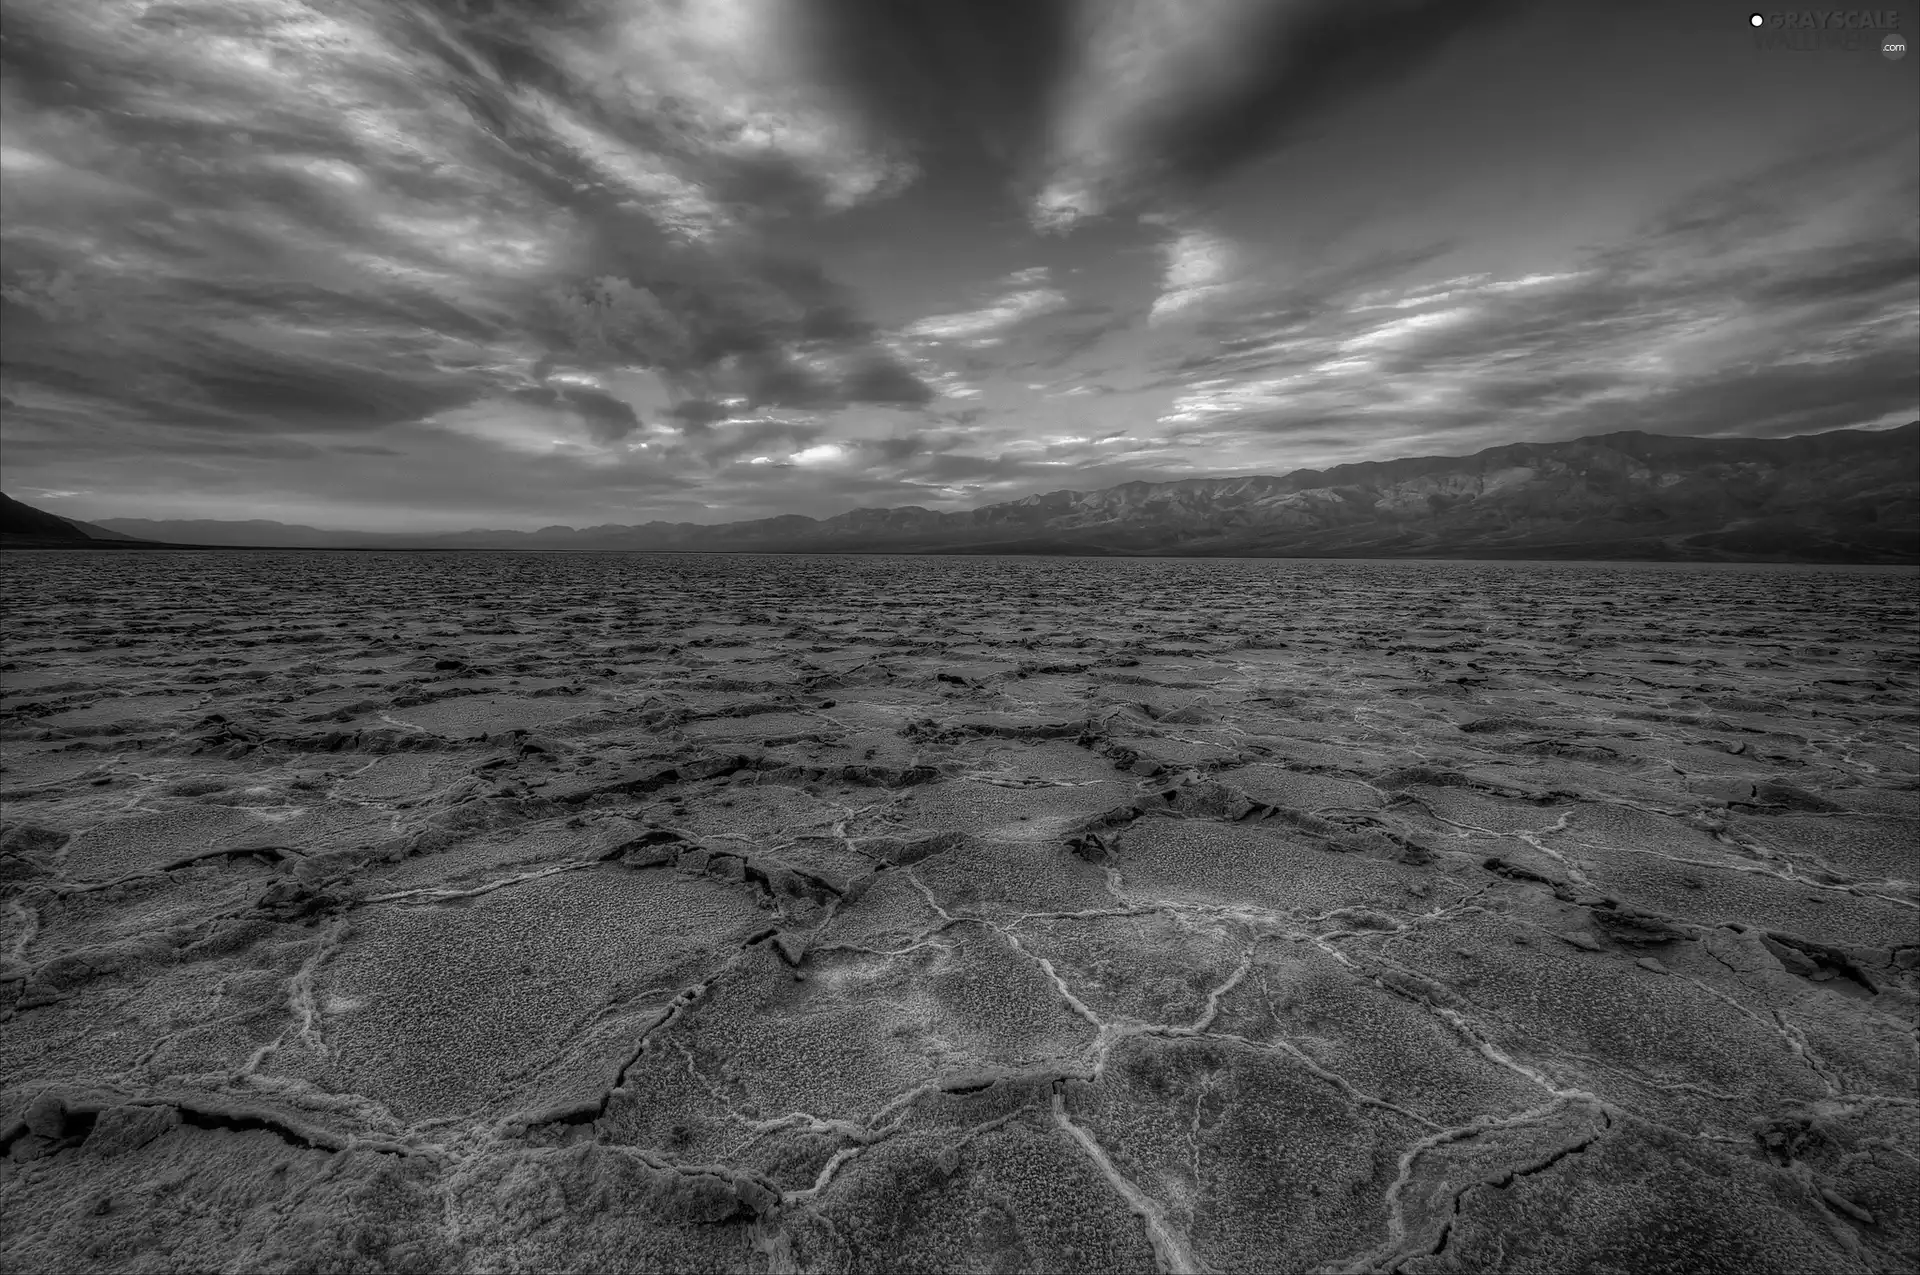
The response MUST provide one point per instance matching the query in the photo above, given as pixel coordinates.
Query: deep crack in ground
(599, 912)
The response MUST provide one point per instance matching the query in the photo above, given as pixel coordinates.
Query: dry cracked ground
(592, 913)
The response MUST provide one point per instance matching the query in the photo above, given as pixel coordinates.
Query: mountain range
(1845, 495)
(23, 526)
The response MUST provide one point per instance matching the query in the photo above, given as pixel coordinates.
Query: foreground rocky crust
(581, 913)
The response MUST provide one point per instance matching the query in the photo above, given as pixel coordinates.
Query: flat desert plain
(494, 912)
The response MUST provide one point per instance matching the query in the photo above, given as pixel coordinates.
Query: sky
(438, 264)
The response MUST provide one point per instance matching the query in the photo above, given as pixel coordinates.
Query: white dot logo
(1756, 20)
(1894, 47)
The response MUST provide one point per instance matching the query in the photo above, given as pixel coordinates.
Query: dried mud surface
(586, 913)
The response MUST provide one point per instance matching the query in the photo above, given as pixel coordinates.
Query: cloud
(1278, 324)
(1062, 338)
(609, 419)
(823, 381)
(888, 450)
(967, 83)
(779, 381)
(1199, 268)
(479, 258)
(820, 454)
(681, 206)
(1025, 295)
(756, 436)
(880, 380)
(714, 87)
(1398, 331)
(1170, 95)
(310, 217)
(711, 327)
(697, 413)
(1684, 329)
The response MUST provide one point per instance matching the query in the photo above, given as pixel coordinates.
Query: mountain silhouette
(1842, 496)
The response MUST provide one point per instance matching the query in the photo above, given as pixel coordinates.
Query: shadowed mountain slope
(17, 519)
(24, 527)
(1844, 496)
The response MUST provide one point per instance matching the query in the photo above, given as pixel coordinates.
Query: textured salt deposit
(493, 912)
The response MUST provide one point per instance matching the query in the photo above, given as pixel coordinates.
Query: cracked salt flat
(761, 914)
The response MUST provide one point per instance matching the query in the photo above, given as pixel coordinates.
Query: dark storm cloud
(695, 413)
(896, 449)
(977, 77)
(313, 393)
(1163, 100)
(347, 217)
(780, 382)
(886, 382)
(242, 368)
(441, 253)
(685, 313)
(778, 379)
(1009, 86)
(608, 418)
(1303, 61)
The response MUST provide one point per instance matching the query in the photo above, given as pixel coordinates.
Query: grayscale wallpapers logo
(1838, 30)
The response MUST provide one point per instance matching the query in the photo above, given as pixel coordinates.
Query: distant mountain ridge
(17, 519)
(1846, 495)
